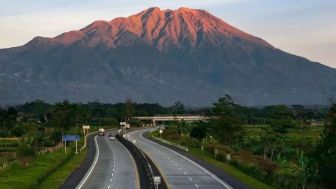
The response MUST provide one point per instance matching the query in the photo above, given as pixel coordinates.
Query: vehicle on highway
(101, 132)
(112, 137)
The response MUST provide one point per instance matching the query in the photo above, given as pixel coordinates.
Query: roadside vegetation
(31, 138)
(282, 146)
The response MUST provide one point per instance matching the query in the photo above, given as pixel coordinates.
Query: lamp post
(160, 131)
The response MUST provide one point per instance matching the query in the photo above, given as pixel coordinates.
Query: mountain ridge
(158, 28)
(161, 56)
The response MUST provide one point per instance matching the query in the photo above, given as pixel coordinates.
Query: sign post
(157, 181)
(123, 126)
(66, 138)
(85, 131)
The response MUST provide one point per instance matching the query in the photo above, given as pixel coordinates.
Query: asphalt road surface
(179, 171)
(114, 167)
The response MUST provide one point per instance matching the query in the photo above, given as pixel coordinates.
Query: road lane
(115, 167)
(180, 172)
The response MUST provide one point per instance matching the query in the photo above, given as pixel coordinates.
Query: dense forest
(65, 115)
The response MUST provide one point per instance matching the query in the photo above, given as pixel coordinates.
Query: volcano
(162, 56)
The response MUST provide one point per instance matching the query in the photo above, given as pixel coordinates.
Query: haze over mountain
(161, 56)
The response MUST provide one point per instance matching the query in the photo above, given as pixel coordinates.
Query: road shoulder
(76, 176)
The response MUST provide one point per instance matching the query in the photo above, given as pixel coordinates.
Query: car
(112, 137)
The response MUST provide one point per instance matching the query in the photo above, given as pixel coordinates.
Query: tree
(61, 116)
(178, 108)
(323, 159)
(278, 112)
(281, 126)
(199, 131)
(226, 126)
(299, 113)
(129, 106)
(18, 131)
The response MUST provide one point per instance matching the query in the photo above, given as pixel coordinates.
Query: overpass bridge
(163, 118)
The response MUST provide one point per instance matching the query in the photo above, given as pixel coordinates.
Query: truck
(101, 132)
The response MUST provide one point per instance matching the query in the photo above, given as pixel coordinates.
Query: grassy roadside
(57, 178)
(48, 168)
(248, 180)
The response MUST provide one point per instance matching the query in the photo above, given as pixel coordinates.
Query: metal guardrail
(144, 170)
(172, 144)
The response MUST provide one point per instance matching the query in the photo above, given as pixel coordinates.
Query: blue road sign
(70, 137)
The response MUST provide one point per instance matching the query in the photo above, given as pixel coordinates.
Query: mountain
(161, 56)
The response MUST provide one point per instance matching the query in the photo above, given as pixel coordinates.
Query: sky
(303, 27)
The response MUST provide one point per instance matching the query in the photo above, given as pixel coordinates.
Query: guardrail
(171, 143)
(146, 168)
(145, 174)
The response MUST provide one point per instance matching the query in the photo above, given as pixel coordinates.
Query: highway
(179, 171)
(113, 167)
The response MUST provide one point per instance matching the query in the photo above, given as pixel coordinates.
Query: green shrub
(25, 151)
(18, 131)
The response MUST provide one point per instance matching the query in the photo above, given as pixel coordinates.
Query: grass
(47, 168)
(308, 132)
(8, 149)
(248, 180)
(57, 178)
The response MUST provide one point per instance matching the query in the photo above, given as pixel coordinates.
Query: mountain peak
(183, 55)
(184, 28)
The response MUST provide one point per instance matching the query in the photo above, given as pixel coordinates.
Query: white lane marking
(109, 187)
(184, 173)
(190, 178)
(134, 166)
(196, 164)
(196, 185)
(92, 165)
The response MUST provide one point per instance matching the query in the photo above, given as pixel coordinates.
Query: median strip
(146, 168)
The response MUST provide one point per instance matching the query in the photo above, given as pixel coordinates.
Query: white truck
(101, 132)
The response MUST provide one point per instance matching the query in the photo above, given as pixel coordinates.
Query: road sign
(70, 137)
(66, 138)
(157, 180)
(86, 126)
(122, 123)
(228, 157)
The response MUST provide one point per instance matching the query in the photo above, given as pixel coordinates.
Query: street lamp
(160, 131)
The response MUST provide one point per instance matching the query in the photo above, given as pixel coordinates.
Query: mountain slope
(161, 56)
